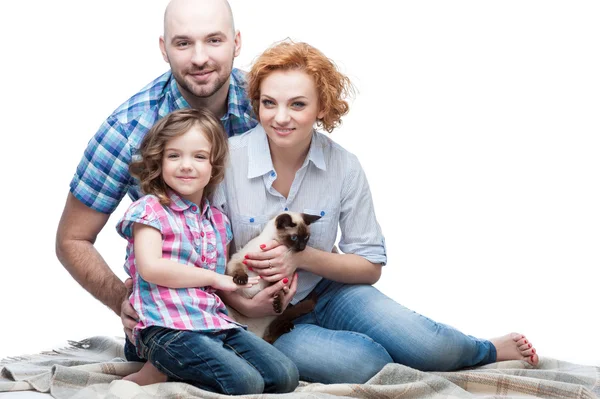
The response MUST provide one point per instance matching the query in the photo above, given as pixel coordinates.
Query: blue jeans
(231, 362)
(355, 330)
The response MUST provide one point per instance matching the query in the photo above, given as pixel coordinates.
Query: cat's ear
(308, 219)
(284, 220)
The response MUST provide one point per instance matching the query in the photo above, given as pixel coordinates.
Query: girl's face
(289, 108)
(186, 164)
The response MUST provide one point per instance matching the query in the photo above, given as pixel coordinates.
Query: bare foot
(147, 375)
(515, 346)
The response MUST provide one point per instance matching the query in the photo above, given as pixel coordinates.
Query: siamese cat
(291, 229)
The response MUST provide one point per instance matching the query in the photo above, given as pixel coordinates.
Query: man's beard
(203, 90)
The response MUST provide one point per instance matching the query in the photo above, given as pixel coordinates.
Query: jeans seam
(164, 347)
(365, 337)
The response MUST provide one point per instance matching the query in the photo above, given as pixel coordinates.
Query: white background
(477, 124)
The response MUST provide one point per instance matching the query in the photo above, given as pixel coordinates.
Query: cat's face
(293, 229)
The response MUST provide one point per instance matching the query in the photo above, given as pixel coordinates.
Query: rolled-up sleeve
(102, 177)
(360, 232)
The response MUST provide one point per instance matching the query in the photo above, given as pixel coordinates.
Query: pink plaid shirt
(191, 237)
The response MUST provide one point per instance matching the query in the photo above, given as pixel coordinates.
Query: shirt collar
(178, 99)
(236, 96)
(180, 204)
(259, 159)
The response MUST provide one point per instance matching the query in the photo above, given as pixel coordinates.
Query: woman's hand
(262, 303)
(224, 282)
(274, 263)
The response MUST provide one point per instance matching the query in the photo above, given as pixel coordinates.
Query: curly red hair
(332, 86)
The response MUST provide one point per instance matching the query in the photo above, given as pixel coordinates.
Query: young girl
(176, 257)
(284, 164)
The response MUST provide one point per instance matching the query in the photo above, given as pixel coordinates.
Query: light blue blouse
(331, 183)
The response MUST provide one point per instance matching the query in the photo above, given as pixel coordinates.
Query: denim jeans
(355, 330)
(231, 362)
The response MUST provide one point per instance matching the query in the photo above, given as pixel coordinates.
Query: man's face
(200, 45)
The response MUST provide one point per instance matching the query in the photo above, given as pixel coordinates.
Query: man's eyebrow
(211, 34)
(216, 33)
(179, 37)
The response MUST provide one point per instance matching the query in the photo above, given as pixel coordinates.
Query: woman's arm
(276, 262)
(153, 268)
(262, 303)
(344, 268)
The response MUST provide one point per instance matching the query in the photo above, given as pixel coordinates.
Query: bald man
(200, 44)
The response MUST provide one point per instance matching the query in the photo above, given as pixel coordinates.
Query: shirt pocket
(323, 232)
(246, 227)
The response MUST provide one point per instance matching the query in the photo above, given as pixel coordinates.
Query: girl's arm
(153, 268)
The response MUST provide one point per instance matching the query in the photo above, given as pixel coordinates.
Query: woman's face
(289, 108)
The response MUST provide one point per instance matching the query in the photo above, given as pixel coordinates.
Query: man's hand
(129, 316)
(274, 263)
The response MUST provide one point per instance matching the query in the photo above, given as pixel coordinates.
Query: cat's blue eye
(294, 237)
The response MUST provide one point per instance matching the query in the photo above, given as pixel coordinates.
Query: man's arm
(77, 231)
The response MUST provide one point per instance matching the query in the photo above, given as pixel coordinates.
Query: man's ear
(237, 40)
(284, 220)
(308, 219)
(163, 48)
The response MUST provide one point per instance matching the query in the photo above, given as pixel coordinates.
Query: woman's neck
(288, 159)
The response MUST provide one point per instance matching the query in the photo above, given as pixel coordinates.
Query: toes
(528, 352)
(524, 347)
(517, 337)
(533, 359)
(522, 341)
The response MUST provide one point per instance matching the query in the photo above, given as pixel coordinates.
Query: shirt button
(194, 208)
(201, 234)
(322, 213)
(286, 209)
(272, 174)
(251, 220)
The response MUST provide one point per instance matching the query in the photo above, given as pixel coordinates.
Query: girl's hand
(274, 263)
(224, 282)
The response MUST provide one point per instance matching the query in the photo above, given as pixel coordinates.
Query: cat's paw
(240, 278)
(278, 302)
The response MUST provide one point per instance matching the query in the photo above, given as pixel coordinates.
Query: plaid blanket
(93, 368)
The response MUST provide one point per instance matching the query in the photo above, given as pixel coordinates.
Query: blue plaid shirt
(102, 178)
